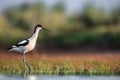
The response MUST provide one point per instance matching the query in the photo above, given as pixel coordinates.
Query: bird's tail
(10, 50)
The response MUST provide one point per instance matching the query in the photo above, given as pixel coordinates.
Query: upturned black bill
(45, 29)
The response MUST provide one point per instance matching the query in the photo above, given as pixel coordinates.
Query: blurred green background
(91, 28)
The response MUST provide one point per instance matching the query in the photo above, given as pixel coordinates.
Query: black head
(40, 26)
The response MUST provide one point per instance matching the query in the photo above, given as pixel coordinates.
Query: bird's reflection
(32, 77)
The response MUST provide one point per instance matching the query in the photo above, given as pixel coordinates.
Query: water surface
(53, 77)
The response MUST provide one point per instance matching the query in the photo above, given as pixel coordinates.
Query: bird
(27, 45)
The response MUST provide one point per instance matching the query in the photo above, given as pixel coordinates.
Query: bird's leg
(28, 67)
(25, 63)
(23, 59)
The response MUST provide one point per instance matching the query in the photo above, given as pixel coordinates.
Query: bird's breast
(31, 45)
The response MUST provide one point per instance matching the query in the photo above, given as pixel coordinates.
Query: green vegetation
(90, 64)
(93, 27)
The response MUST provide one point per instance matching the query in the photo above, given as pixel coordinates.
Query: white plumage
(27, 45)
(20, 49)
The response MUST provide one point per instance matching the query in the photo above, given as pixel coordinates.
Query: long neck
(35, 34)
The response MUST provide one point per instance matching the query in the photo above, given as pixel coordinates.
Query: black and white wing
(16, 47)
(22, 43)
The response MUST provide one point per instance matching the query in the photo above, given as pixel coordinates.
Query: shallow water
(53, 77)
